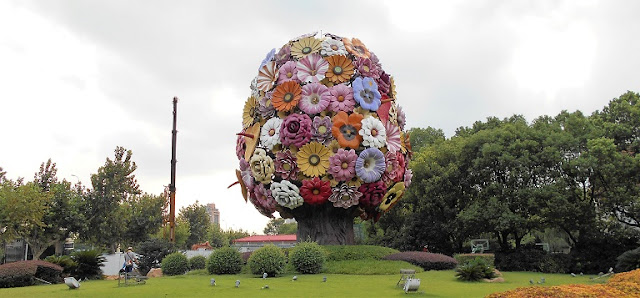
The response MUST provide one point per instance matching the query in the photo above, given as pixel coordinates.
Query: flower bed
(23, 273)
(426, 260)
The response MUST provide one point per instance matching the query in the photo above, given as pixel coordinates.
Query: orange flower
(286, 96)
(345, 129)
(356, 47)
(340, 69)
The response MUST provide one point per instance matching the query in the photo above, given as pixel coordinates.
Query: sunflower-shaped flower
(342, 165)
(373, 133)
(345, 129)
(394, 144)
(367, 68)
(295, 130)
(340, 69)
(286, 165)
(311, 69)
(249, 112)
(372, 194)
(321, 131)
(270, 133)
(315, 98)
(333, 146)
(370, 165)
(305, 46)
(341, 98)
(288, 72)
(345, 196)
(331, 47)
(356, 47)
(313, 159)
(315, 191)
(286, 96)
(366, 93)
(392, 196)
(267, 76)
(263, 201)
(286, 194)
(261, 166)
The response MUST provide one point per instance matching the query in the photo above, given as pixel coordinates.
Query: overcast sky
(78, 78)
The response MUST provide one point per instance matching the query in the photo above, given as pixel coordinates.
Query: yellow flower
(313, 159)
(392, 196)
(392, 87)
(305, 46)
(249, 112)
(334, 146)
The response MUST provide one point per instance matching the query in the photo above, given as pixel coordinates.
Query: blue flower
(366, 93)
(370, 165)
(268, 58)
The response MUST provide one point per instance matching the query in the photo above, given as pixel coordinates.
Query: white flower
(332, 47)
(254, 88)
(270, 133)
(373, 133)
(286, 194)
(261, 166)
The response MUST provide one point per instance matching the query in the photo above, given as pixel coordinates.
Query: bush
(357, 252)
(67, 264)
(151, 254)
(534, 260)
(24, 273)
(463, 258)
(426, 260)
(269, 259)
(629, 260)
(226, 260)
(175, 264)
(197, 262)
(307, 257)
(89, 263)
(475, 270)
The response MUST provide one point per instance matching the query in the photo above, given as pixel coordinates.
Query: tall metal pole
(172, 186)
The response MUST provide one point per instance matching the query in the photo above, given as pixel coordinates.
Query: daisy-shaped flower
(384, 83)
(269, 57)
(370, 165)
(286, 194)
(286, 165)
(267, 76)
(345, 196)
(340, 69)
(283, 55)
(373, 133)
(372, 194)
(390, 171)
(345, 129)
(341, 98)
(263, 201)
(355, 182)
(249, 112)
(356, 47)
(367, 68)
(366, 93)
(315, 98)
(393, 137)
(402, 118)
(392, 196)
(286, 96)
(321, 131)
(342, 165)
(261, 166)
(334, 146)
(288, 72)
(295, 130)
(270, 133)
(265, 107)
(315, 191)
(313, 159)
(312, 68)
(305, 46)
(331, 47)
(408, 174)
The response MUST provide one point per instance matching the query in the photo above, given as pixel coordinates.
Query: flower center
(315, 99)
(322, 129)
(337, 70)
(314, 159)
(367, 96)
(390, 198)
(346, 197)
(314, 72)
(348, 132)
(340, 98)
(374, 132)
(306, 50)
(288, 97)
(286, 167)
(289, 74)
(272, 132)
(334, 47)
(345, 165)
(316, 191)
(366, 68)
(359, 49)
(293, 127)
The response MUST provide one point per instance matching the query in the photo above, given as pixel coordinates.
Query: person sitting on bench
(129, 259)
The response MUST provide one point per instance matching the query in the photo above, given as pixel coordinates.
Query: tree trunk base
(325, 224)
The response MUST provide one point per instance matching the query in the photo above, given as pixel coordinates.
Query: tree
(232, 234)
(198, 218)
(143, 216)
(422, 137)
(22, 209)
(277, 226)
(47, 175)
(217, 237)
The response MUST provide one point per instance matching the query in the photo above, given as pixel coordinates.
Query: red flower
(372, 194)
(315, 191)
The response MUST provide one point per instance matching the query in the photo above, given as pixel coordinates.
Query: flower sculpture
(322, 138)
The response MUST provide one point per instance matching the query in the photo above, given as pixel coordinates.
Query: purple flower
(384, 82)
(286, 165)
(392, 164)
(245, 172)
(367, 68)
(408, 175)
(342, 165)
(315, 98)
(402, 118)
(345, 196)
(261, 198)
(283, 55)
(267, 58)
(341, 99)
(241, 146)
(265, 108)
(365, 91)
(322, 129)
(295, 130)
(288, 72)
(370, 165)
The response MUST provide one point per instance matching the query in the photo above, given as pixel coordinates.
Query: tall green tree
(22, 209)
(278, 226)
(198, 218)
(143, 216)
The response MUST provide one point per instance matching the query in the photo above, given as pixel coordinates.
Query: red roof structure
(268, 238)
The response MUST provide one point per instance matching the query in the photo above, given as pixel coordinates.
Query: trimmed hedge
(226, 260)
(464, 258)
(24, 273)
(426, 260)
(307, 257)
(269, 259)
(175, 264)
(357, 252)
(197, 262)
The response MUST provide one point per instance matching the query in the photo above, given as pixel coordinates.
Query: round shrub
(269, 259)
(307, 257)
(629, 260)
(475, 270)
(225, 260)
(175, 264)
(197, 262)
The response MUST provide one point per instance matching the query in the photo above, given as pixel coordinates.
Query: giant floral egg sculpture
(323, 137)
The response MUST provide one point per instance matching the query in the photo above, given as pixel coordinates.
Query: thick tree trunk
(325, 224)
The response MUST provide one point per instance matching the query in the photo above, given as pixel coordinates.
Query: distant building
(214, 213)
(252, 243)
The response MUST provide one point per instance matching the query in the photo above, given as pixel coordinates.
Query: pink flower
(288, 72)
(402, 118)
(241, 146)
(342, 165)
(295, 130)
(261, 198)
(315, 98)
(322, 129)
(345, 196)
(392, 164)
(283, 55)
(367, 68)
(312, 68)
(393, 137)
(341, 99)
(372, 194)
(402, 166)
(286, 165)
(408, 174)
(384, 83)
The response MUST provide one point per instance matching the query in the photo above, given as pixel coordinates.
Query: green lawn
(433, 284)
